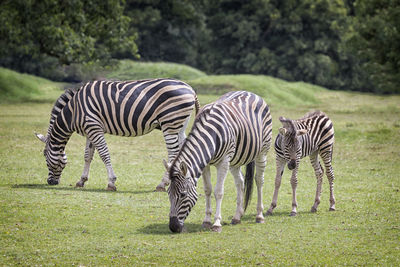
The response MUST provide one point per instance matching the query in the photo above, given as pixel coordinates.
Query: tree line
(340, 44)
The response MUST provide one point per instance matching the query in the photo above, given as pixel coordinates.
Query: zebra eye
(183, 194)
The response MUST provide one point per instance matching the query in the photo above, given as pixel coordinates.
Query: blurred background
(338, 44)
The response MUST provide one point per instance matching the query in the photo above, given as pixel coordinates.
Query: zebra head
(182, 195)
(55, 160)
(291, 145)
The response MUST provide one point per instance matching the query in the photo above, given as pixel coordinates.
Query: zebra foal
(229, 133)
(313, 136)
(131, 108)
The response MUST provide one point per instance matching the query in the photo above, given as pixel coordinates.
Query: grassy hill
(17, 87)
(131, 70)
(62, 225)
(277, 92)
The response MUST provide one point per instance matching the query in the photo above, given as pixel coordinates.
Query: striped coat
(131, 108)
(313, 136)
(229, 133)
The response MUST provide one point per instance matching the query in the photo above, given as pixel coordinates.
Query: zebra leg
(97, 138)
(173, 143)
(182, 134)
(239, 182)
(319, 172)
(222, 170)
(293, 182)
(89, 151)
(164, 181)
(327, 158)
(261, 162)
(280, 166)
(207, 190)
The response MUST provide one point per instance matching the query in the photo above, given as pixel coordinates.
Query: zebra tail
(248, 183)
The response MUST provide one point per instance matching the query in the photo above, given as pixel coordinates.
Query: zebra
(233, 131)
(124, 108)
(312, 135)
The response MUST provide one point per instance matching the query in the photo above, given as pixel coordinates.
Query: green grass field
(62, 225)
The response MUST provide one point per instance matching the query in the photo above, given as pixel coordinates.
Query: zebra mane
(61, 102)
(289, 124)
(312, 114)
(204, 111)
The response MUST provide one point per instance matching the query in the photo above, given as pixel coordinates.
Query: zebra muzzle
(292, 164)
(174, 225)
(52, 181)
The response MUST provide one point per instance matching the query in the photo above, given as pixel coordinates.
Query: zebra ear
(166, 165)
(183, 168)
(282, 131)
(282, 119)
(301, 132)
(41, 137)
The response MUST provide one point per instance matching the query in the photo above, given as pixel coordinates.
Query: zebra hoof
(160, 188)
(52, 181)
(313, 210)
(332, 209)
(206, 225)
(216, 228)
(111, 188)
(260, 220)
(293, 213)
(79, 184)
(268, 213)
(235, 221)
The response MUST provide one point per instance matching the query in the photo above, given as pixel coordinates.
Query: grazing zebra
(311, 135)
(231, 132)
(131, 108)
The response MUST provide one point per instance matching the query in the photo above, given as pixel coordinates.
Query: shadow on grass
(27, 100)
(71, 188)
(162, 229)
(252, 217)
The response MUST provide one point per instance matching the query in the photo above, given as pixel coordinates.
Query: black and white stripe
(229, 133)
(131, 108)
(312, 135)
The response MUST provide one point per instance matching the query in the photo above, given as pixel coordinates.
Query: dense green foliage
(321, 42)
(66, 226)
(377, 42)
(169, 30)
(294, 40)
(37, 36)
(341, 44)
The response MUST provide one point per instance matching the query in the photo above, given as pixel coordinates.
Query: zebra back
(320, 132)
(235, 130)
(319, 136)
(237, 125)
(133, 108)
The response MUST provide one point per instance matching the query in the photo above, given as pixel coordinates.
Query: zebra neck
(60, 131)
(198, 151)
(58, 108)
(195, 156)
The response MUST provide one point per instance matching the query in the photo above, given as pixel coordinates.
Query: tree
(34, 31)
(170, 30)
(376, 41)
(293, 39)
